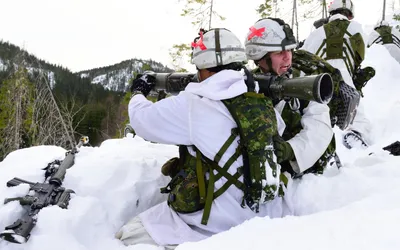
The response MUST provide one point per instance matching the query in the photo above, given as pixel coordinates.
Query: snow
(3, 67)
(99, 78)
(356, 207)
(118, 79)
(52, 80)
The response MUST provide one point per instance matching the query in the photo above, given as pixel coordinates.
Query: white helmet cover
(267, 35)
(217, 47)
(341, 5)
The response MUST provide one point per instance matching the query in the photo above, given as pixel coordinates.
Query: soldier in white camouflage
(388, 36)
(307, 143)
(341, 42)
(227, 169)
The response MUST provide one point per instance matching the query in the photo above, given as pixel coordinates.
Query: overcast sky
(84, 34)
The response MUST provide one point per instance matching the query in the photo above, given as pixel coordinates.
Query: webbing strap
(376, 40)
(285, 181)
(211, 195)
(395, 39)
(209, 198)
(348, 33)
(228, 176)
(226, 185)
(353, 56)
(226, 145)
(347, 62)
(218, 54)
(200, 177)
(320, 47)
(227, 165)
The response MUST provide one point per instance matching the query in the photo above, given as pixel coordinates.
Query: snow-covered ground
(356, 207)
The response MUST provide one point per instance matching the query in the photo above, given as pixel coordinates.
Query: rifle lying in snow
(44, 194)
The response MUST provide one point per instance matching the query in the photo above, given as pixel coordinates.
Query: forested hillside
(90, 102)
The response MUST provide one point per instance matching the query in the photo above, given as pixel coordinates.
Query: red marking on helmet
(199, 43)
(329, 5)
(255, 32)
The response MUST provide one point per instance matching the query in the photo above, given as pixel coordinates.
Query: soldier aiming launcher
(318, 88)
(45, 194)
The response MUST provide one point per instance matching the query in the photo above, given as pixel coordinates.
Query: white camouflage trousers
(133, 233)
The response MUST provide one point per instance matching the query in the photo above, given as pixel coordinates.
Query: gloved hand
(143, 84)
(265, 83)
(283, 150)
(362, 76)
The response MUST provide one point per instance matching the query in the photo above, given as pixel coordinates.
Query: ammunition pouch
(183, 189)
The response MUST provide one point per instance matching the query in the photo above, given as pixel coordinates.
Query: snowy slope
(356, 207)
(116, 77)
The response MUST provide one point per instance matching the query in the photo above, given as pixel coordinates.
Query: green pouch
(183, 189)
(358, 46)
(171, 167)
(185, 196)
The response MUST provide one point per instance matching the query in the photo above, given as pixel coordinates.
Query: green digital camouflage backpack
(385, 33)
(190, 191)
(337, 47)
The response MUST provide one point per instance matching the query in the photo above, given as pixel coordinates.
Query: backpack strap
(256, 124)
(318, 53)
(208, 195)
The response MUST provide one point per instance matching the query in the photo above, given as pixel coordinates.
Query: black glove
(320, 22)
(362, 76)
(143, 84)
(283, 150)
(161, 95)
(265, 83)
(393, 148)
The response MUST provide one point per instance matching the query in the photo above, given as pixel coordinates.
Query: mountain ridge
(113, 77)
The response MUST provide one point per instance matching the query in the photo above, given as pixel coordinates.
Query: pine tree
(16, 110)
(265, 9)
(202, 14)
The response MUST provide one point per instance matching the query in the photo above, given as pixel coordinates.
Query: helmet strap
(198, 75)
(268, 63)
(218, 54)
